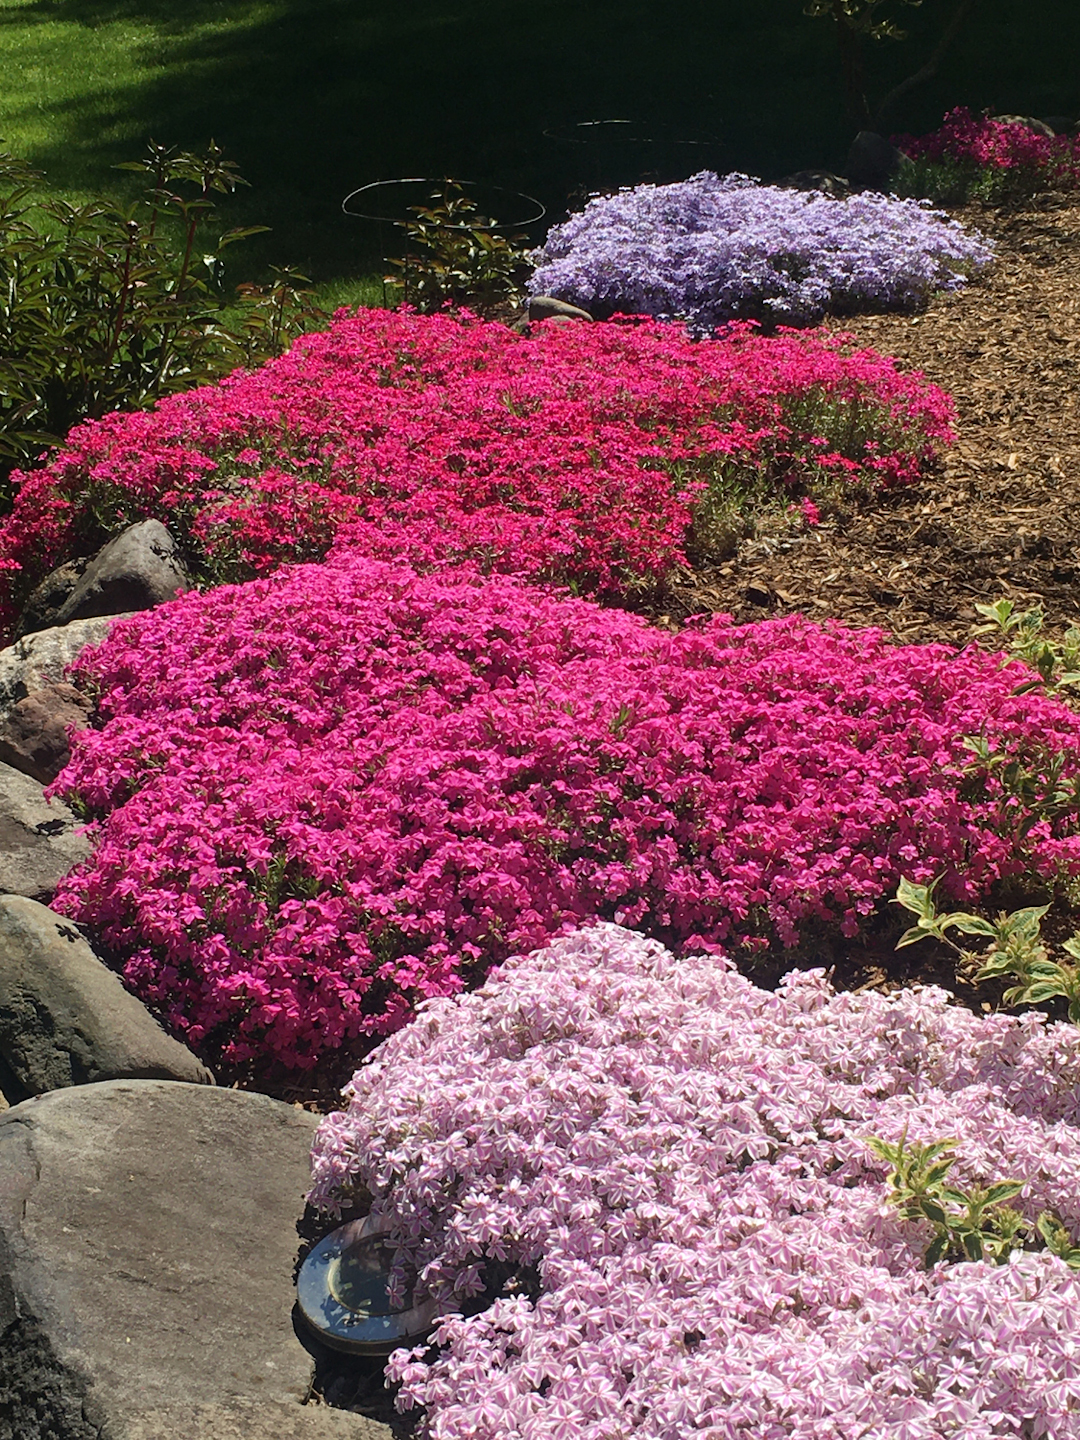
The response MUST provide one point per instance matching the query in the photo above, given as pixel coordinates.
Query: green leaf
(999, 612)
(914, 935)
(933, 1211)
(995, 964)
(935, 1250)
(954, 1197)
(967, 924)
(1021, 921)
(241, 233)
(972, 1242)
(938, 1147)
(1039, 993)
(1003, 1190)
(937, 1173)
(917, 898)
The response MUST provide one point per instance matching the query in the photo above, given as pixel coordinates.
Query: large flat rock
(43, 658)
(147, 1243)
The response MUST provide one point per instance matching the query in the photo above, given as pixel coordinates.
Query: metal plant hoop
(537, 213)
(626, 132)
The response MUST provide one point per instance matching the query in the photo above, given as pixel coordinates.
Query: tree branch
(929, 70)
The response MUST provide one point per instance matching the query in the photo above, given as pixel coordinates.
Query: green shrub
(453, 256)
(104, 307)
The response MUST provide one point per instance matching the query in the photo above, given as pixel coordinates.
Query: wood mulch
(1002, 515)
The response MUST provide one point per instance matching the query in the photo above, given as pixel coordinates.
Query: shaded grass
(313, 98)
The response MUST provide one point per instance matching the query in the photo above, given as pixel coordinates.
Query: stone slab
(42, 658)
(147, 1247)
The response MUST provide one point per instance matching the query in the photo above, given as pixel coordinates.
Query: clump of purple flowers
(710, 249)
(671, 1164)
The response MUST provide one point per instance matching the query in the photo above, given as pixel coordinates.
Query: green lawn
(315, 97)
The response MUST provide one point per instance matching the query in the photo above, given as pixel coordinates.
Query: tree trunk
(927, 71)
(849, 42)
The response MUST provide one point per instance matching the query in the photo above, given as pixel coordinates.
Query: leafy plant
(458, 258)
(975, 1224)
(1015, 948)
(1032, 784)
(1021, 632)
(101, 308)
(975, 157)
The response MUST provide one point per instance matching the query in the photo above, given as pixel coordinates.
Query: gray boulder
(546, 307)
(38, 843)
(43, 657)
(1061, 124)
(47, 598)
(1029, 122)
(34, 732)
(136, 571)
(872, 162)
(65, 1018)
(147, 1243)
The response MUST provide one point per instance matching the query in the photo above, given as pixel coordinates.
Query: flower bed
(711, 250)
(579, 454)
(330, 794)
(671, 1165)
(975, 157)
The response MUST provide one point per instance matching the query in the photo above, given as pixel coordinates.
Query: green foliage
(1015, 950)
(1021, 633)
(976, 1225)
(457, 259)
(960, 182)
(103, 307)
(864, 17)
(1031, 787)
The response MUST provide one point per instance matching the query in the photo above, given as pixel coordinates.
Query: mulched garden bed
(1000, 517)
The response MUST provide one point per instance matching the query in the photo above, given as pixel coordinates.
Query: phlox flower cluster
(709, 250)
(327, 795)
(577, 454)
(985, 144)
(670, 1165)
